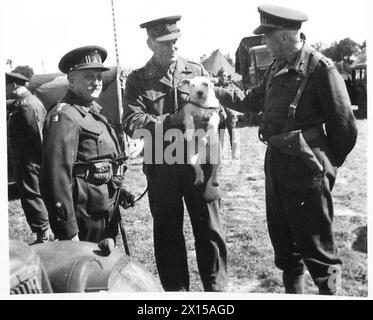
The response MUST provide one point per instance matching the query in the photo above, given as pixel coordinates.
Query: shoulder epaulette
(327, 62)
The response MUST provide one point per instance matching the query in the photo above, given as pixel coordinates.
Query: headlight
(129, 276)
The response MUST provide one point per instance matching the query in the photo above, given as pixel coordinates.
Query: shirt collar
(24, 93)
(300, 63)
(153, 69)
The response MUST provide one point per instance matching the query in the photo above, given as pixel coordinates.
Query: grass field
(251, 266)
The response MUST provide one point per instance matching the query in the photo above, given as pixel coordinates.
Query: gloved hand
(126, 199)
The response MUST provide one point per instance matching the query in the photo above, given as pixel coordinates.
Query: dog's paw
(199, 180)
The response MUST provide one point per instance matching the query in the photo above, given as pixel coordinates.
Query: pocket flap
(153, 96)
(91, 127)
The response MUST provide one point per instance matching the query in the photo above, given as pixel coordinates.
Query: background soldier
(151, 99)
(82, 167)
(303, 91)
(25, 117)
(224, 81)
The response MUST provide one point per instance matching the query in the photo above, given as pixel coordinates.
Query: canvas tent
(217, 61)
(49, 88)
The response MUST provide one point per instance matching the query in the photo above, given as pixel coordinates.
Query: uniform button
(99, 141)
(289, 146)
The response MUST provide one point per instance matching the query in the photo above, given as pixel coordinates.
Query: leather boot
(331, 285)
(293, 284)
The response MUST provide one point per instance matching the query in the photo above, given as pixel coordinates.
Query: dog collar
(201, 106)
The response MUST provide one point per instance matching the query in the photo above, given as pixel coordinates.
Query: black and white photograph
(168, 150)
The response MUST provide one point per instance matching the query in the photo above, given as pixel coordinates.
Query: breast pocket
(154, 101)
(90, 138)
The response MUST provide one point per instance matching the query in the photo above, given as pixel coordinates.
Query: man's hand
(127, 199)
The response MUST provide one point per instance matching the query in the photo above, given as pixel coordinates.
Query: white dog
(203, 104)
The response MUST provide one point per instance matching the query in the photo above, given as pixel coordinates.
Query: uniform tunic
(298, 200)
(25, 122)
(150, 97)
(76, 135)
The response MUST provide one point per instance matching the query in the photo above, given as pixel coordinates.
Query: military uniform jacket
(25, 122)
(74, 135)
(324, 100)
(149, 96)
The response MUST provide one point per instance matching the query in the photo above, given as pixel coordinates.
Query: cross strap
(290, 121)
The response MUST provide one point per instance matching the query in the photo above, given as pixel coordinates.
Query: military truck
(252, 59)
(260, 59)
(70, 266)
(359, 88)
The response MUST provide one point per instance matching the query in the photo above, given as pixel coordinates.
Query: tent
(49, 88)
(217, 61)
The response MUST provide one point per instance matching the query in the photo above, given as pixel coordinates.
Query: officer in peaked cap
(301, 94)
(82, 165)
(88, 57)
(25, 118)
(16, 77)
(277, 18)
(153, 99)
(163, 29)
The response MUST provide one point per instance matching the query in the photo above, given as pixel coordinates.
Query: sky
(39, 32)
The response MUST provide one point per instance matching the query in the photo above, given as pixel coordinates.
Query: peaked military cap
(163, 29)
(16, 77)
(275, 17)
(88, 57)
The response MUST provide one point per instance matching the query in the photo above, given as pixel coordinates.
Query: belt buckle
(101, 167)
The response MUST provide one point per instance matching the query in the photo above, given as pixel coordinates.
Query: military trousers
(95, 210)
(168, 186)
(231, 123)
(299, 210)
(27, 182)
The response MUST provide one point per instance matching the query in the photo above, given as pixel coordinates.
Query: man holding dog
(310, 129)
(152, 99)
(82, 170)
